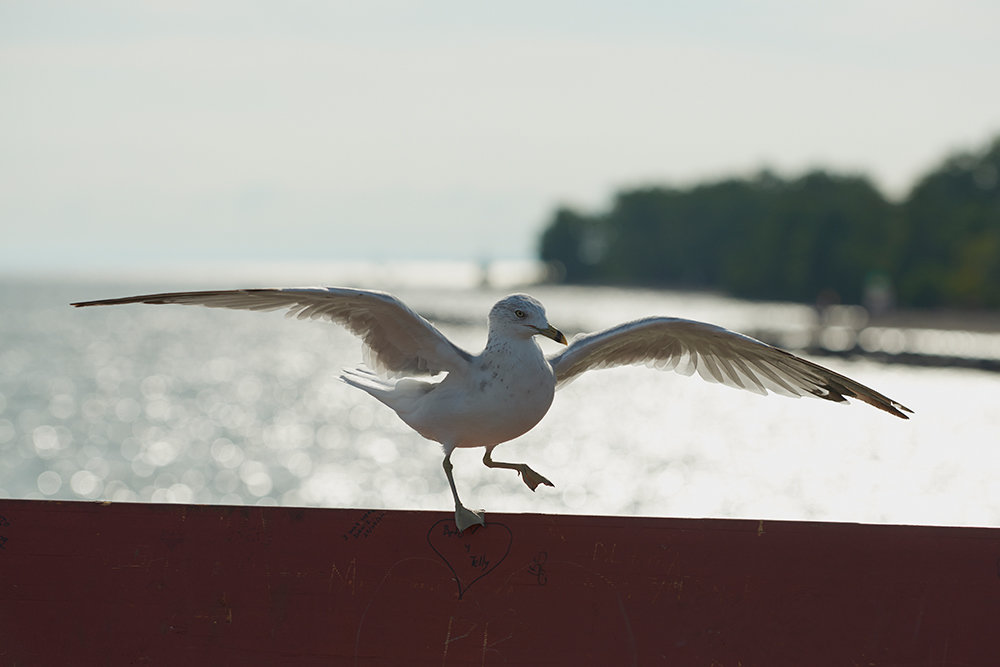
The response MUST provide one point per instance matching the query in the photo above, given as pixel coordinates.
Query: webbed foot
(465, 517)
(532, 478)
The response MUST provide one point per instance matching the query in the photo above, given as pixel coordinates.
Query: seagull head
(522, 316)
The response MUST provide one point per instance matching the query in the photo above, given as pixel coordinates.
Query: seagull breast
(500, 395)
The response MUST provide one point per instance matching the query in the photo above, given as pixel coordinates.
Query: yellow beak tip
(555, 335)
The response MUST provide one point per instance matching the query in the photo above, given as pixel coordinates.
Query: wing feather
(717, 355)
(397, 340)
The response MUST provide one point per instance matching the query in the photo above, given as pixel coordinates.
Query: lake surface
(181, 404)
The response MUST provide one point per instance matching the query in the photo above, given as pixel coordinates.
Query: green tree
(820, 233)
(574, 243)
(950, 245)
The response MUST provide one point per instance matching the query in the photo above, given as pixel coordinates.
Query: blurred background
(826, 178)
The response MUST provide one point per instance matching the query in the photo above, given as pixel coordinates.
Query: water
(181, 404)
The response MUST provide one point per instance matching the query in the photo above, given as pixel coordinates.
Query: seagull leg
(529, 476)
(464, 517)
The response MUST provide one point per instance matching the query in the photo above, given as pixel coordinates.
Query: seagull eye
(520, 314)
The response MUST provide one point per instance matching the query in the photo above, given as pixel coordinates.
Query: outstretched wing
(717, 355)
(397, 340)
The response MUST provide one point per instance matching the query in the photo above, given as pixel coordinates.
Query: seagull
(485, 399)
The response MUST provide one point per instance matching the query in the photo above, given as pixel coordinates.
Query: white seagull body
(504, 391)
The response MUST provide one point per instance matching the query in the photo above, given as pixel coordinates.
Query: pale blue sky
(177, 131)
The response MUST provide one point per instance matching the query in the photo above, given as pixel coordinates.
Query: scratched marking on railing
(537, 567)
(470, 555)
(364, 526)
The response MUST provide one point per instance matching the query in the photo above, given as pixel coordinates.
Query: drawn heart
(470, 555)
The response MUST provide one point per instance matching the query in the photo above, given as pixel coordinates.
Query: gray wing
(717, 355)
(397, 340)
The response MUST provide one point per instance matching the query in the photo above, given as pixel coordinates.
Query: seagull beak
(554, 334)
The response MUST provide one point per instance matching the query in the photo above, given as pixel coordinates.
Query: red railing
(117, 584)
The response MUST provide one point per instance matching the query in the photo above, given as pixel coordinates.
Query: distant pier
(921, 338)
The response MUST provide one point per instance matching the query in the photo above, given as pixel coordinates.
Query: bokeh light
(187, 405)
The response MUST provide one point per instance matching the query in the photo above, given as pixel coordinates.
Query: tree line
(818, 236)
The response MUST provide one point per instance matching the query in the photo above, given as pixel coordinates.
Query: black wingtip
(840, 391)
(165, 297)
(900, 409)
(103, 302)
(890, 406)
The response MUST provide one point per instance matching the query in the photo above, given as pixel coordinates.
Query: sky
(219, 131)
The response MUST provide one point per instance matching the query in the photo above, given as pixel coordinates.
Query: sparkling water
(194, 405)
